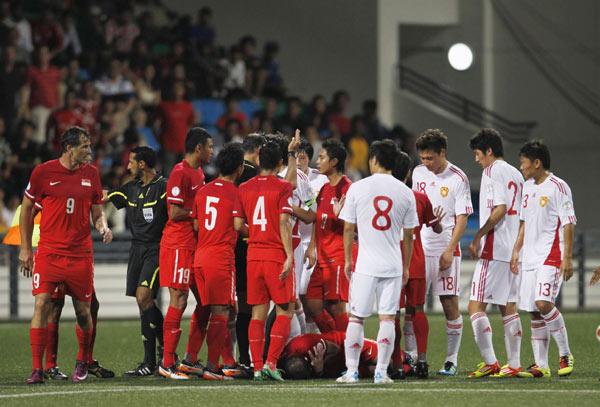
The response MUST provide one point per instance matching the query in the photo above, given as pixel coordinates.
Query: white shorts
(301, 269)
(515, 286)
(365, 289)
(492, 282)
(541, 284)
(445, 282)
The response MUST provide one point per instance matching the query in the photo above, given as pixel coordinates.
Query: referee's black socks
(152, 331)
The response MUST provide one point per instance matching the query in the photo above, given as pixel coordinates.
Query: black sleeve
(118, 196)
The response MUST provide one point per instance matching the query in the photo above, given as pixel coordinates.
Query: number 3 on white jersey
(259, 214)
(209, 223)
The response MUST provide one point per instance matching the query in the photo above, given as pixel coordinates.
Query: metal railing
(466, 109)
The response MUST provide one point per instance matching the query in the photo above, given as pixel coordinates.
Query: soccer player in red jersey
(413, 294)
(327, 293)
(68, 190)
(266, 204)
(214, 260)
(178, 244)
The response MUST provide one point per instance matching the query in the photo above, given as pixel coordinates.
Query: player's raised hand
(439, 213)
(317, 355)
(514, 263)
(596, 277)
(295, 143)
(338, 205)
(26, 259)
(287, 267)
(566, 268)
(107, 235)
(474, 249)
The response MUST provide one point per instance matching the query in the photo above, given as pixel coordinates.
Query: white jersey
(300, 195)
(380, 206)
(501, 184)
(317, 180)
(451, 190)
(546, 209)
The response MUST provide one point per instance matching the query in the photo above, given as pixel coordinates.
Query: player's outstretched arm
(26, 229)
(448, 255)
(178, 213)
(440, 215)
(595, 277)
(306, 216)
(514, 260)
(338, 205)
(407, 250)
(348, 246)
(566, 265)
(285, 230)
(497, 215)
(100, 223)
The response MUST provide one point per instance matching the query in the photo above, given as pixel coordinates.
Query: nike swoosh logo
(194, 187)
(54, 183)
(88, 295)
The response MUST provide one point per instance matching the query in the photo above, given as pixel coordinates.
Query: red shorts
(216, 284)
(264, 283)
(76, 273)
(413, 293)
(328, 282)
(175, 267)
(60, 292)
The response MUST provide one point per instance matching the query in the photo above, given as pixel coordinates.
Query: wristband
(292, 154)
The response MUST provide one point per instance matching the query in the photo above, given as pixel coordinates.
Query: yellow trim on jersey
(163, 195)
(154, 277)
(117, 193)
(132, 204)
(150, 203)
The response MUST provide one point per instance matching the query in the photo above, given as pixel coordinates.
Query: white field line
(283, 388)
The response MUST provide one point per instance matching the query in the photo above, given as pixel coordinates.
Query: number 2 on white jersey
(209, 223)
(259, 214)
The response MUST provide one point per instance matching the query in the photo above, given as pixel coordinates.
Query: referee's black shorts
(241, 251)
(142, 270)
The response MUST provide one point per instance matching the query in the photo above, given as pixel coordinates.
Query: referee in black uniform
(144, 199)
(251, 147)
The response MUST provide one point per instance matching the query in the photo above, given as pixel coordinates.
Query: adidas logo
(356, 345)
(384, 340)
(144, 284)
(488, 329)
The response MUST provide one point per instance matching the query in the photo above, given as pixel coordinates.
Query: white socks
(512, 339)
(558, 330)
(385, 345)
(410, 341)
(301, 319)
(453, 335)
(355, 338)
(295, 329)
(540, 337)
(483, 336)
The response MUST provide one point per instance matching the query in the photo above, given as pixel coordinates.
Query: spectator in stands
(314, 138)
(17, 21)
(114, 84)
(270, 82)
(11, 80)
(265, 117)
(248, 47)
(292, 119)
(358, 147)
(147, 91)
(232, 113)
(140, 56)
(62, 119)
(236, 70)
(374, 130)
(179, 75)
(72, 77)
(121, 31)
(337, 113)
(174, 117)
(317, 114)
(39, 95)
(88, 105)
(71, 44)
(48, 32)
(207, 67)
(203, 30)
(232, 132)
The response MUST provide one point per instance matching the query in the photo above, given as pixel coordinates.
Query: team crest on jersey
(543, 201)
(568, 205)
(490, 188)
(444, 192)
(175, 191)
(86, 182)
(148, 214)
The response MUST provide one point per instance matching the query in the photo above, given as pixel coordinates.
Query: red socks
(38, 338)
(214, 338)
(84, 338)
(227, 349)
(421, 328)
(279, 336)
(51, 346)
(171, 334)
(198, 324)
(397, 355)
(341, 322)
(256, 337)
(325, 322)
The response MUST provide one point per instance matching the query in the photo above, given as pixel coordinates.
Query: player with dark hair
(412, 297)
(144, 199)
(251, 147)
(266, 205)
(447, 186)
(214, 214)
(493, 283)
(546, 235)
(327, 292)
(69, 191)
(177, 254)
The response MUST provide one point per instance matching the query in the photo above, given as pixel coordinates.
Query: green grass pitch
(118, 347)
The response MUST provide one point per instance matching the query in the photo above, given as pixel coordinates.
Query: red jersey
(214, 207)
(330, 229)
(66, 197)
(176, 118)
(62, 120)
(262, 200)
(183, 184)
(427, 218)
(43, 86)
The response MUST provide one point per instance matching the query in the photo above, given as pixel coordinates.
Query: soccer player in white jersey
(493, 283)
(546, 237)
(444, 184)
(381, 207)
